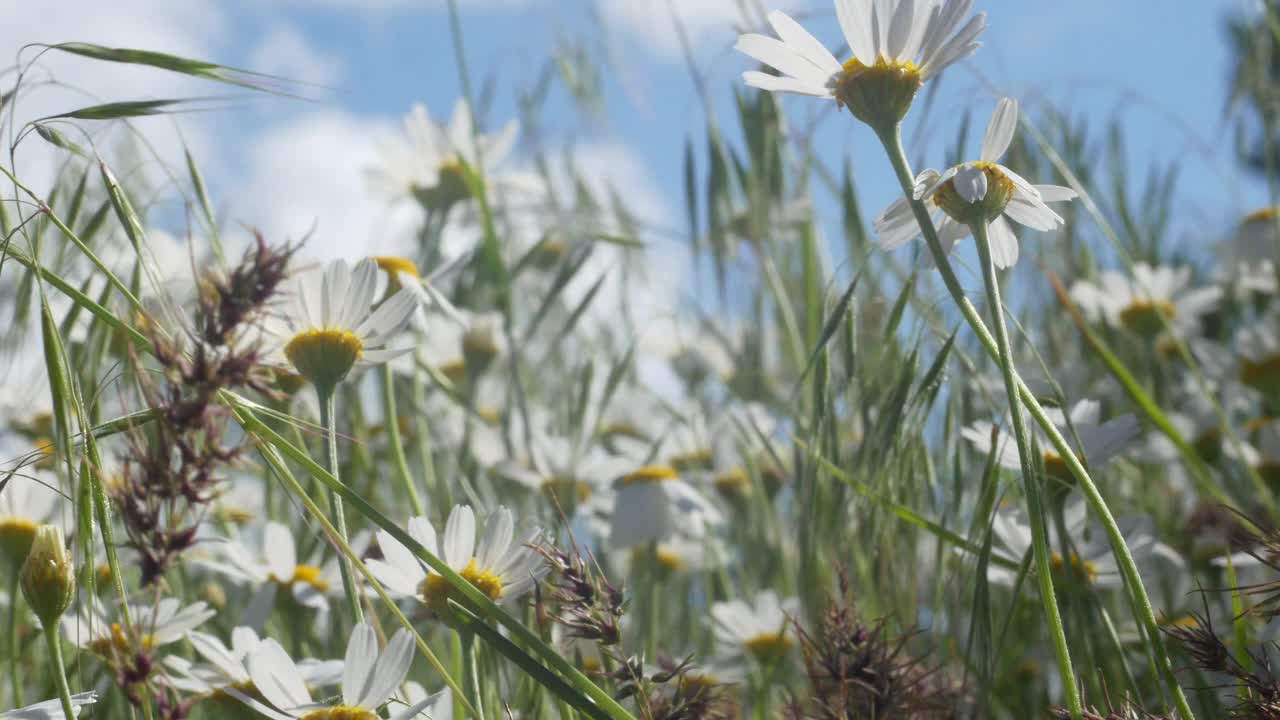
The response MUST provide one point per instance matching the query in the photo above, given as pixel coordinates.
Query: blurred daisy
(1259, 347)
(50, 709)
(331, 326)
(168, 621)
(1093, 441)
(439, 705)
(428, 163)
(982, 191)
(1137, 303)
(369, 679)
(26, 502)
(896, 46)
(568, 471)
(761, 629)
(271, 564)
(1088, 561)
(496, 565)
(652, 503)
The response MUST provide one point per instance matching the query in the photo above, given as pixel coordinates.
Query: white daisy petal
(358, 665)
(276, 677)
(900, 29)
(782, 57)
(793, 34)
(1032, 213)
(1004, 244)
(1055, 193)
(460, 536)
(390, 671)
(1000, 130)
(970, 183)
(855, 23)
(280, 551)
(774, 83)
(498, 531)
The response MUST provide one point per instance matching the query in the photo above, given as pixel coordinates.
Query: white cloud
(704, 21)
(284, 52)
(307, 172)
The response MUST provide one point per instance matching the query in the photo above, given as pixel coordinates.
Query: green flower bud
(48, 576)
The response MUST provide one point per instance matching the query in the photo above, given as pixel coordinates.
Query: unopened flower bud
(48, 576)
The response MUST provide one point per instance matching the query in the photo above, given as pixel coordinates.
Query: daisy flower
(652, 503)
(168, 621)
(331, 326)
(896, 46)
(224, 667)
(1089, 560)
(50, 709)
(982, 191)
(369, 679)
(568, 471)
(26, 503)
(1137, 303)
(271, 565)
(428, 163)
(761, 628)
(1258, 344)
(1093, 441)
(495, 565)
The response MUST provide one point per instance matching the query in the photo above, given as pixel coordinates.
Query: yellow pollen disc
(324, 356)
(1084, 570)
(1263, 375)
(1264, 215)
(393, 265)
(16, 535)
(650, 474)
(733, 482)
(768, 646)
(694, 460)
(118, 642)
(1143, 316)
(341, 712)
(879, 94)
(590, 665)
(669, 560)
(566, 489)
(436, 590)
(491, 415)
(308, 575)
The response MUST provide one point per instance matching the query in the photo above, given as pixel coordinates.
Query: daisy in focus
(1138, 303)
(973, 192)
(369, 679)
(493, 563)
(896, 46)
(224, 667)
(760, 628)
(331, 326)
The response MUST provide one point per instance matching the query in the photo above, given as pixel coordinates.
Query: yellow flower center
(733, 482)
(1143, 316)
(392, 265)
(650, 474)
(16, 535)
(307, 575)
(324, 356)
(1080, 569)
(436, 590)
(768, 646)
(670, 560)
(117, 642)
(1000, 190)
(1267, 214)
(877, 95)
(693, 460)
(1262, 375)
(342, 712)
(566, 490)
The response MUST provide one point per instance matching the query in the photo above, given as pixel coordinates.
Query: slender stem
(59, 672)
(391, 418)
(1030, 479)
(471, 670)
(15, 647)
(335, 503)
(891, 139)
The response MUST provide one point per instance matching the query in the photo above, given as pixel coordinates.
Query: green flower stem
(15, 648)
(891, 139)
(471, 670)
(1030, 478)
(335, 503)
(391, 418)
(59, 672)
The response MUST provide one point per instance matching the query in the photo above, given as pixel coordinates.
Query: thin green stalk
(891, 139)
(335, 502)
(59, 672)
(391, 418)
(1030, 479)
(15, 647)
(471, 670)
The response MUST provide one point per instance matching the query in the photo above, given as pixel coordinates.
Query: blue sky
(1160, 67)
